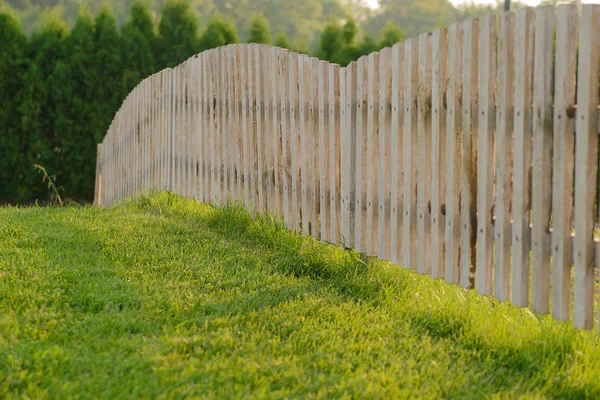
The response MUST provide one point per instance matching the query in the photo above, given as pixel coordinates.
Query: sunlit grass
(164, 297)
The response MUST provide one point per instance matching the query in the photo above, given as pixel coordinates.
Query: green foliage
(108, 89)
(367, 46)
(177, 34)
(259, 31)
(138, 38)
(391, 35)
(218, 33)
(300, 45)
(339, 44)
(165, 297)
(350, 31)
(40, 141)
(282, 41)
(332, 41)
(76, 108)
(414, 16)
(12, 75)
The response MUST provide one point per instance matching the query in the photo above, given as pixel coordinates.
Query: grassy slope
(165, 297)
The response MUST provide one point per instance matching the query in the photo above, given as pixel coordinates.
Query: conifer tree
(39, 141)
(391, 35)
(75, 106)
(177, 34)
(229, 31)
(12, 71)
(300, 45)
(259, 31)
(218, 33)
(137, 39)
(108, 88)
(331, 41)
(282, 41)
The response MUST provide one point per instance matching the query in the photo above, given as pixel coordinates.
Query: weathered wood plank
(274, 133)
(359, 135)
(424, 140)
(396, 165)
(453, 153)
(504, 161)
(371, 157)
(313, 154)
(409, 144)
(223, 128)
(586, 154)
(252, 130)
(542, 158)
(304, 149)
(294, 138)
(323, 149)
(438, 153)
(522, 156)
(245, 129)
(336, 111)
(348, 78)
(266, 57)
(385, 150)
(468, 201)
(485, 167)
(563, 165)
(285, 117)
(259, 97)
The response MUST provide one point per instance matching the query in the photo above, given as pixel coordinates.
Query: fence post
(99, 173)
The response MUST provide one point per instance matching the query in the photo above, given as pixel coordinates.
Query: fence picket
(205, 129)
(188, 128)
(542, 157)
(396, 164)
(424, 143)
(384, 178)
(313, 140)
(253, 124)
(359, 136)
(504, 162)
(274, 136)
(336, 118)
(453, 153)
(259, 144)
(522, 153)
(409, 144)
(468, 200)
(285, 115)
(294, 137)
(348, 153)
(586, 154)
(438, 155)
(266, 54)
(564, 138)
(237, 120)
(485, 162)
(322, 80)
(371, 156)
(304, 147)
(223, 128)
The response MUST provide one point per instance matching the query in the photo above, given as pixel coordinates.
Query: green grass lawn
(166, 298)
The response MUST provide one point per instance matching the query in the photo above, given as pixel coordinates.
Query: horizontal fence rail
(469, 154)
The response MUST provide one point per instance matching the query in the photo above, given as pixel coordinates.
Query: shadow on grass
(502, 365)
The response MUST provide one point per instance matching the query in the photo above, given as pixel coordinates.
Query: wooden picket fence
(469, 154)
